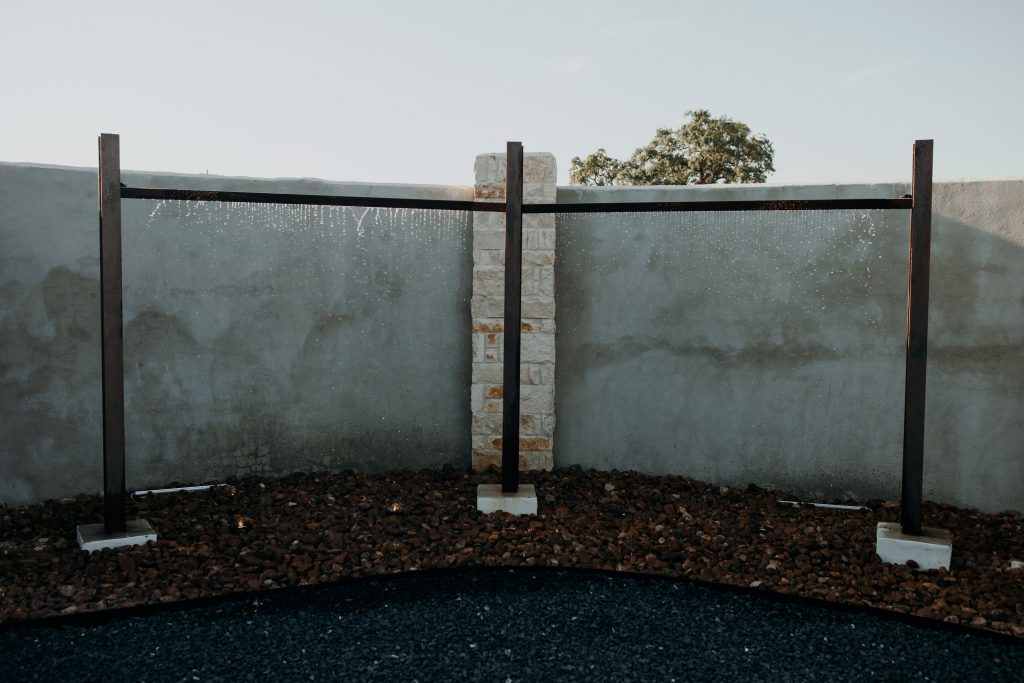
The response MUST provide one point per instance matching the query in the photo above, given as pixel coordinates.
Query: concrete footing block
(490, 498)
(931, 550)
(93, 537)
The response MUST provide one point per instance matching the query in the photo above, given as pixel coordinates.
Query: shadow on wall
(53, 356)
(323, 343)
(774, 354)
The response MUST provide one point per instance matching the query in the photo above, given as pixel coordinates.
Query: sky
(411, 92)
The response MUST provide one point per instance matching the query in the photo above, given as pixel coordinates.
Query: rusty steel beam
(512, 318)
(725, 205)
(112, 334)
(308, 199)
(498, 207)
(917, 338)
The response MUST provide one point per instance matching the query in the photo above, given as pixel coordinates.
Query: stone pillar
(537, 374)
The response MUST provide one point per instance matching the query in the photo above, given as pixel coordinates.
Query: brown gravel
(306, 529)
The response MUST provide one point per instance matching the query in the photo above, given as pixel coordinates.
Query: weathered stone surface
(538, 325)
(489, 191)
(538, 307)
(488, 279)
(536, 460)
(539, 220)
(538, 348)
(490, 257)
(488, 239)
(537, 399)
(526, 443)
(528, 460)
(537, 194)
(539, 168)
(482, 459)
(530, 373)
(488, 220)
(487, 423)
(538, 257)
(491, 167)
(487, 326)
(483, 306)
(486, 373)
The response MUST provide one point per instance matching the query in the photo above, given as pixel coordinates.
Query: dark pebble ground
(504, 625)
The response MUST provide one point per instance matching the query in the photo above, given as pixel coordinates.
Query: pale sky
(410, 92)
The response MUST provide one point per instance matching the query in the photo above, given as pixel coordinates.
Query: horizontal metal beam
(499, 207)
(726, 205)
(308, 199)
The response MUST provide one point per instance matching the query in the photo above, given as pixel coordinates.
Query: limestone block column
(537, 373)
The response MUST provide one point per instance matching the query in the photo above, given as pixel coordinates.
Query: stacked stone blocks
(537, 367)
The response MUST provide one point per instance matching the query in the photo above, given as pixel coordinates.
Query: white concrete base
(931, 550)
(93, 537)
(489, 498)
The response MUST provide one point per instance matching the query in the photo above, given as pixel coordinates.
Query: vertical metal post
(112, 334)
(513, 317)
(917, 338)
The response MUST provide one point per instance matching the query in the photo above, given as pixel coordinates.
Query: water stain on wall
(160, 355)
(11, 290)
(71, 302)
(49, 385)
(325, 325)
(776, 354)
(154, 334)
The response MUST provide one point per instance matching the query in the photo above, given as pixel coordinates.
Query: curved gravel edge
(112, 614)
(505, 625)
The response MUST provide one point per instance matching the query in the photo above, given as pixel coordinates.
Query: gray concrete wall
(732, 347)
(258, 339)
(769, 348)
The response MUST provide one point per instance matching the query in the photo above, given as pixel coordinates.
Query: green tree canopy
(704, 150)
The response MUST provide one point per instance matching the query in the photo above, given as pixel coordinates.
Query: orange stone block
(527, 443)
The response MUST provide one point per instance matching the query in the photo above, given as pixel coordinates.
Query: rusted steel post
(112, 334)
(917, 338)
(513, 317)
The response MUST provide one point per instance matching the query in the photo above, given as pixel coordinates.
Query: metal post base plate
(490, 498)
(93, 537)
(931, 550)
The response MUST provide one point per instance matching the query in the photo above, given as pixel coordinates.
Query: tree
(704, 150)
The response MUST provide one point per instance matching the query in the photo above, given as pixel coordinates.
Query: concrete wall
(769, 348)
(258, 339)
(733, 347)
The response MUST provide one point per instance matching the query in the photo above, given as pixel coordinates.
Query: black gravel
(503, 625)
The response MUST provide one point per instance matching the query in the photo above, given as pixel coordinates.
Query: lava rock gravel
(261, 534)
(504, 625)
